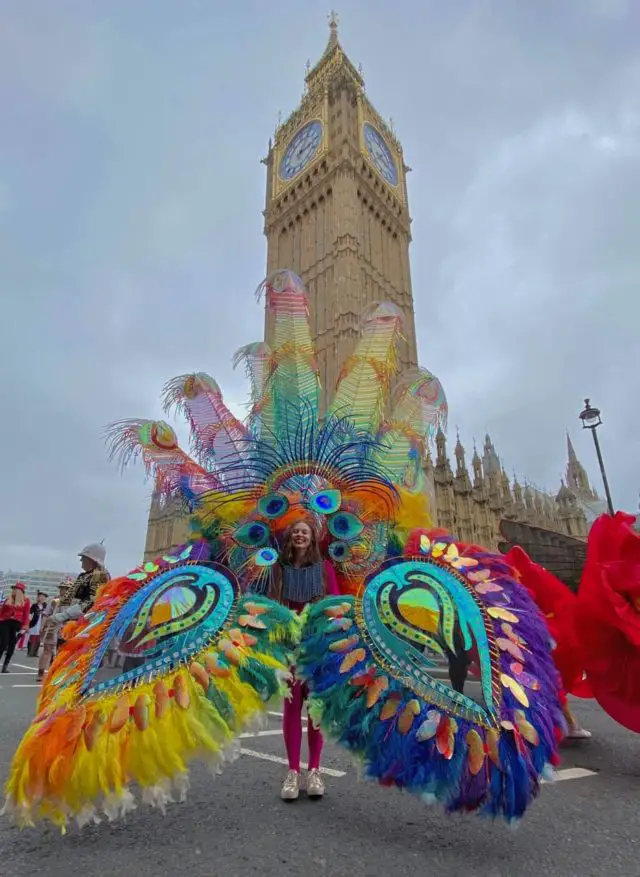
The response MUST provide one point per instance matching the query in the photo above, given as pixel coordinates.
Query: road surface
(584, 825)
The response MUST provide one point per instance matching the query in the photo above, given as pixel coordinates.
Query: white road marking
(279, 715)
(271, 733)
(27, 685)
(568, 773)
(276, 760)
(572, 773)
(23, 667)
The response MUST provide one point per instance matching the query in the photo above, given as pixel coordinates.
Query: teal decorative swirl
(166, 622)
(411, 606)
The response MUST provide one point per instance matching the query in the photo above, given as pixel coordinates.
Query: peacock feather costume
(205, 649)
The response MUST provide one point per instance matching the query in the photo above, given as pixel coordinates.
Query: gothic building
(337, 214)
(474, 503)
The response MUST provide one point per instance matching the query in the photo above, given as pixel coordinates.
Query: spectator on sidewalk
(14, 620)
(33, 643)
(49, 631)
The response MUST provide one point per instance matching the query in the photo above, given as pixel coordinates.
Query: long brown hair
(312, 554)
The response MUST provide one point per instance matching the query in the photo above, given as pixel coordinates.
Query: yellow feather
(413, 506)
(502, 614)
(93, 729)
(200, 675)
(181, 691)
(342, 645)
(493, 739)
(141, 712)
(411, 710)
(120, 715)
(349, 661)
(161, 694)
(390, 708)
(476, 753)
(515, 688)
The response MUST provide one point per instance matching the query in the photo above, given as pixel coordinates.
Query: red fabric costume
(597, 631)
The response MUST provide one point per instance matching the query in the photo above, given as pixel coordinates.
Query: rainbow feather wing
(292, 389)
(364, 383)
(203, 663)
(369, 664)
(257, 361)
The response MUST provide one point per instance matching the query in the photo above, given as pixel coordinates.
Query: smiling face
(301, 537)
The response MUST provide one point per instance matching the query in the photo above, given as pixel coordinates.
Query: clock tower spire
(333, 28)
(337, 212)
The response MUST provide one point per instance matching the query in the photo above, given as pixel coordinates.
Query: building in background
(577, 481)
(337, 214)
(35, 580)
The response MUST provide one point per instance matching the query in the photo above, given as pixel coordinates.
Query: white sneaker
(315, 784)
(579, 734)
(291, 786)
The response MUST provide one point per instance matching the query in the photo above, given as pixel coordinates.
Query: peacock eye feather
(339, 551)
(254, 534)
(326, 502)
(345, 526)
(266, 557)
(273, 505)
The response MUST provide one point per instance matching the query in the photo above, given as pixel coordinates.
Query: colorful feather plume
(292, 388)
(216, 433)
(363, 386)
(203, 654)
(420, 409)
(257, 362)
(154, 441)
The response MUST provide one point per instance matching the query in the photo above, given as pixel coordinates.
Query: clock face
(380, 154)
(301, 150)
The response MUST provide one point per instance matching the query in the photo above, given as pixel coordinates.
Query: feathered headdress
(244, 483)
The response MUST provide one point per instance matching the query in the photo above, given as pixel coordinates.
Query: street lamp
(591, 419)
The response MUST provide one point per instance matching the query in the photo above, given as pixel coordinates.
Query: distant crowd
(37, 626)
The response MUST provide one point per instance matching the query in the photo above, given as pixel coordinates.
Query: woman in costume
(301, 577)
(211, 651)
(14, 620)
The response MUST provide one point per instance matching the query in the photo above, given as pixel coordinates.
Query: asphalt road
(584, 825)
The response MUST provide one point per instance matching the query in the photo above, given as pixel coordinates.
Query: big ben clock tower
(337, 213)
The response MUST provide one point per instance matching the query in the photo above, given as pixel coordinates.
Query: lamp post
(591, 419)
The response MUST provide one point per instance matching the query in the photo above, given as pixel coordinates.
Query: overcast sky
(131, 240)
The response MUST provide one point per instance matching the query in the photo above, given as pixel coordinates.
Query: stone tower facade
(337, 212)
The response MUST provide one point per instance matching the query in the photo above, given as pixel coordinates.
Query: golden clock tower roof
(332, 57)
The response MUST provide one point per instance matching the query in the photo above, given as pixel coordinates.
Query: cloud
(131, 231)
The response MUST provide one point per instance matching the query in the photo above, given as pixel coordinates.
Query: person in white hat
(81, 595)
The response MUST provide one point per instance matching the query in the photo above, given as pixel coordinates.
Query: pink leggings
(292, 730)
